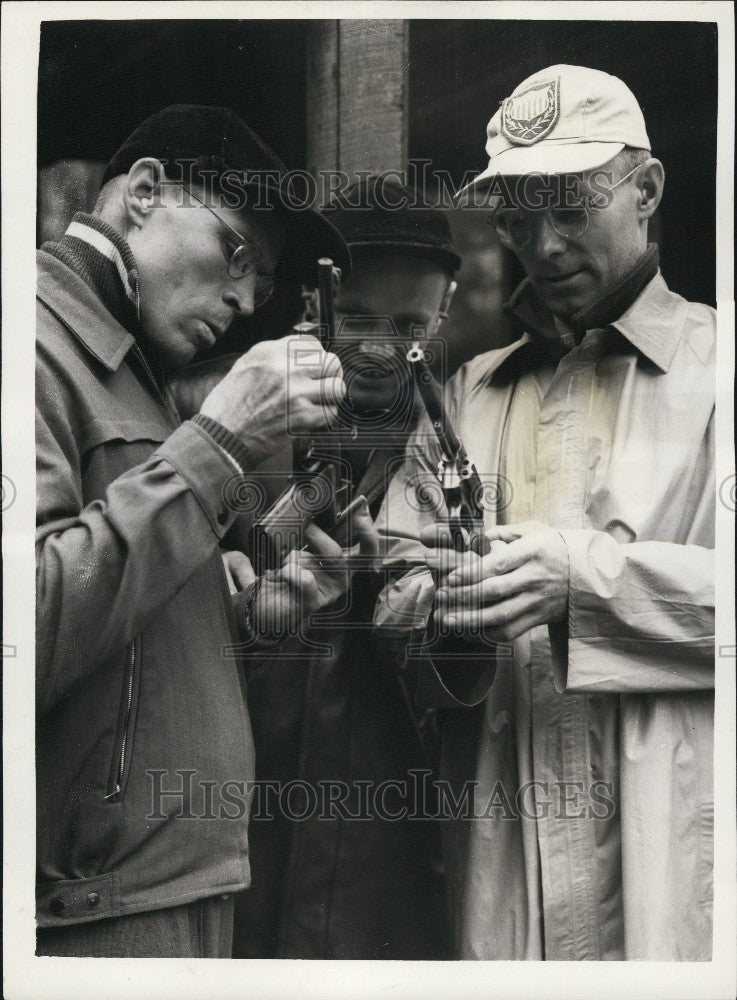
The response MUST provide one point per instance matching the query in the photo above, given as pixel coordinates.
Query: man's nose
(547, 242)
(239, 295)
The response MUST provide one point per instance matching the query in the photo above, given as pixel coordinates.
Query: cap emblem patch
(531, 115)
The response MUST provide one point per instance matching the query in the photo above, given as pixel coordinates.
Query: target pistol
(462, 488)
(320, 487)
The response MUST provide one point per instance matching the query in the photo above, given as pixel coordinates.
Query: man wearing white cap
(591, 753)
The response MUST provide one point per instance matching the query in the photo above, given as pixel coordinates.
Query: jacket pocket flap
(99, 430)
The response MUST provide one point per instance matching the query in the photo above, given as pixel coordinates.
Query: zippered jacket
(139, 692)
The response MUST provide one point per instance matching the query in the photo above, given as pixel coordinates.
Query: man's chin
(374, 395)
(565, 307)
(177, 355)
(173, 363)
(362, 401)
(565, 303)
(170, 351)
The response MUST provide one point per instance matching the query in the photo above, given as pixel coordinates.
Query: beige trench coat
(591, 830)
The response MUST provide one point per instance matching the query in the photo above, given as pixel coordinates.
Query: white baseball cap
(562, 120)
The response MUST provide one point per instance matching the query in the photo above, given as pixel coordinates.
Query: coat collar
(528, 353)
(652, 324)
(76, 305)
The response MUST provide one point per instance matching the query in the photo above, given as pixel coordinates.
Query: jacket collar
(529, 353)
(652, 322)
(72, 300)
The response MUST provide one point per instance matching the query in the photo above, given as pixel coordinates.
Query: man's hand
(443, 557)
(278, 390)
(312, 579)
(521, 583)
(238, 570)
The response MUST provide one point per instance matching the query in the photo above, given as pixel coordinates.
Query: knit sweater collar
(102, 258)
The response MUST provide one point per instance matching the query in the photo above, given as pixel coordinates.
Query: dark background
(99, 79)
(460, 74)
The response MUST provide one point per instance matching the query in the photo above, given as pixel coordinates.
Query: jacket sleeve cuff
(206, 470)
(595, 652)
(244, 606)
(229, 442)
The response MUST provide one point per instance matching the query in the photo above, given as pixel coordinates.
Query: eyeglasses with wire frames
(514, 226)
(244, 260)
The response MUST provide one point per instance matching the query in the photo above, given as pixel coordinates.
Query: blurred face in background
(390, 299)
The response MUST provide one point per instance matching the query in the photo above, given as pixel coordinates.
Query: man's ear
(142, 190)
(650, 182)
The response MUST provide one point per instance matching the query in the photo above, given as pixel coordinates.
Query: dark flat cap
(196, 140)
(380, 212)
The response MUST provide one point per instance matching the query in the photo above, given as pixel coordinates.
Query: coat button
(93, 900)
(223, 517)
(56, 905)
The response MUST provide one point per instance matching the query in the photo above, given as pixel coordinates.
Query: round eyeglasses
(244, 260)
(515, 226)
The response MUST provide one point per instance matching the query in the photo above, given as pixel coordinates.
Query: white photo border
(27, 976)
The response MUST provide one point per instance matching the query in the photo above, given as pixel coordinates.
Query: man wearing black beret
(361, 878)
(142, 718)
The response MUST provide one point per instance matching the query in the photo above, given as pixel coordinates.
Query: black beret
(379, 212)
(192, 138)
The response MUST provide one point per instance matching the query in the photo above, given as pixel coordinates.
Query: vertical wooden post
(357, 95)
(322, 96)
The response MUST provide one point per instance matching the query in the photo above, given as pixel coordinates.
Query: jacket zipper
(114, 795)
(141, 358)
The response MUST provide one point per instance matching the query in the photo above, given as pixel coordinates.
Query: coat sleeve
(104, 570)
(640, 618)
